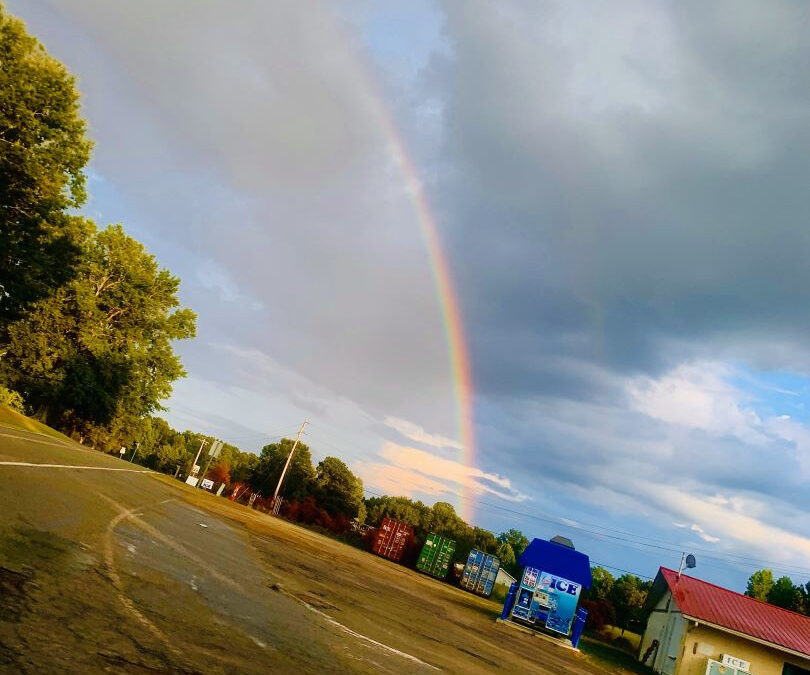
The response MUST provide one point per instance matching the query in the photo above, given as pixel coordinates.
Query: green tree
(43, 150)
(760, 584)
(601, 584)
(443, 520)
(96, 356)
(337, 489)
(415, 513)
(300, 476)
(241, 464)
(516, 539)
(785, 594)
(507, 557)
(484, 540)
(628, 595)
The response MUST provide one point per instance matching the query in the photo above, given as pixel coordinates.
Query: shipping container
(436, 556)
(392, 539)
(480, 572)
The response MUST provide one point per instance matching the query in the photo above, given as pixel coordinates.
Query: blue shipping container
(480, 572)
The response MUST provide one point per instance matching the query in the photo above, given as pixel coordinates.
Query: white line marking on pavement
(357, 635)
(42, 441)
(73, 466)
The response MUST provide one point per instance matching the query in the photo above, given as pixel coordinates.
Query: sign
(716, 668)
(215, 449)
(562, 597)
(207, 484)
(734, 662)
(547, 598)
(122, 450)
(191, 481)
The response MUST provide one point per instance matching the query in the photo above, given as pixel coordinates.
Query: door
(672, 652)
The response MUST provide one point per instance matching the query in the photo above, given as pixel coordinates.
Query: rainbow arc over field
(445, 290)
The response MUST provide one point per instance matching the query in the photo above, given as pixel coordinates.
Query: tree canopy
(760, 584)
(337, 489)
(43, 150)
(300, 474)
(97, 353)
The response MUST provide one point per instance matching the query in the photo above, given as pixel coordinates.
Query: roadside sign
(207, 484)
(215, 449)
(122, 450)
(191, 481)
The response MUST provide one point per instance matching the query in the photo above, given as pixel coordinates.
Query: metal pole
(137, 445)
(289, 459)
(210, 459)
(198, 455)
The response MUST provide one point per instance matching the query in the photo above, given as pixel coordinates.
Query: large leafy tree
(337, 489)
(43, 150)
(516, 540)
(760, 584)
(96, 356)
(300, 476)
(601, 584)
(784, 594)
(414, 513)
(628, 595)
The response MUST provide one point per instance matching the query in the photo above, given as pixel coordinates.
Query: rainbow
(449, 305)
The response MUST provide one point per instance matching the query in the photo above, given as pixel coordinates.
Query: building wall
(702, 643)
(694, 645)
(504, 578)
(668, 627)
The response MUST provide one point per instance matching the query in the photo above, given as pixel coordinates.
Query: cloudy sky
(621, 195)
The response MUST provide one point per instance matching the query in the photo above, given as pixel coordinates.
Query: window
(790, 669)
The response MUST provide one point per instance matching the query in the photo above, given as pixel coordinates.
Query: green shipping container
(436, 556)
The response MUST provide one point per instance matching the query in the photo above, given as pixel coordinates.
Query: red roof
(719, 606)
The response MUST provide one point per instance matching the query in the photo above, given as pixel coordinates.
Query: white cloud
(697, 396)
(416, 471)
(798, 435)
(399, 481)
(748, 529)
(416, 433)
(703, 534)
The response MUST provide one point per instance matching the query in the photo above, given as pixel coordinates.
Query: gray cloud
(620, 189)
(625, 187)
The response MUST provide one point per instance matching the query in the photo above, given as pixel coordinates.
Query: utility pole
(213, 451)
(289, 459)
(202, 445)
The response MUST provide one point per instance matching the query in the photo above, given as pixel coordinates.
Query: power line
(633, 538)
(619, 569)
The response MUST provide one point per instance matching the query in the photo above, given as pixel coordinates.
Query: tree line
(781, 592)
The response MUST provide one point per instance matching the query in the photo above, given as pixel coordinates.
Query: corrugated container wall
(480, 572)
(436, 556)
(392, 539)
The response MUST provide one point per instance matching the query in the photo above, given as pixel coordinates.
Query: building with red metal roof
(698, 628)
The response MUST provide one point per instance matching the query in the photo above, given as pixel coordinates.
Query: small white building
(504, 578)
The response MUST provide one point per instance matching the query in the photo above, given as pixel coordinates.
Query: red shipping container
(392, 539)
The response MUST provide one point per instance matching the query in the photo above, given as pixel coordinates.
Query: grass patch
(14, 420)
(617, 660)
(610, 633)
